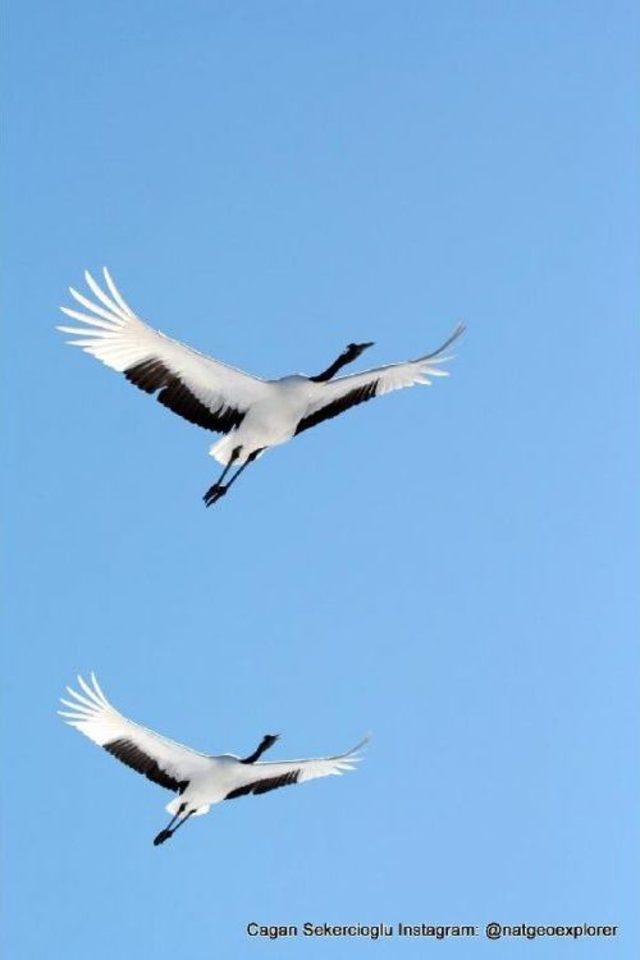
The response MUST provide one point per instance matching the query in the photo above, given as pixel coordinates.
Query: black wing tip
(351, 399)
(127, 752)
(152, 375)
(257, 787)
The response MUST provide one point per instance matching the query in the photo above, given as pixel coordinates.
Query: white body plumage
(271, 422)
(198, 780)
(252, 414)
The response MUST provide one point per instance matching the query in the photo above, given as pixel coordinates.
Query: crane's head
(354, 350)
(351, 352)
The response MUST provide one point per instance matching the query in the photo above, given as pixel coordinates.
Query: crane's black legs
(170, 829)
(181, 822)
(250, 459)
(166, 833)
(219, 489)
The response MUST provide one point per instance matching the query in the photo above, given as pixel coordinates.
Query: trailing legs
(219, 488)
(170, 829)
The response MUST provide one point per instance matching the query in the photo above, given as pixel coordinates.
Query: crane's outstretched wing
(262, 777)
(202, 390)
(165, 762)
(336, 396)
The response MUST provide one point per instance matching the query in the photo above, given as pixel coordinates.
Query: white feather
(254, 414)
(204, 780)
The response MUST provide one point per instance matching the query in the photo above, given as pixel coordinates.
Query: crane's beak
(357, 348)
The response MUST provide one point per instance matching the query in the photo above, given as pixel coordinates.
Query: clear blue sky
(452, 568)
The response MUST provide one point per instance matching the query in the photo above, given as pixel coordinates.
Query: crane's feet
(214, 493)
(162, 836)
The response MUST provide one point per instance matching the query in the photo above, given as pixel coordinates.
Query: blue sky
(452, 569)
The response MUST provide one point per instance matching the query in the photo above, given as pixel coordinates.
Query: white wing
(336, 396)
(165, 762)
(262, 777)
(202, 390)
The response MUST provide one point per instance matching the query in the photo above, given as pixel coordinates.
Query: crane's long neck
(266, 742)
(348, 355)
